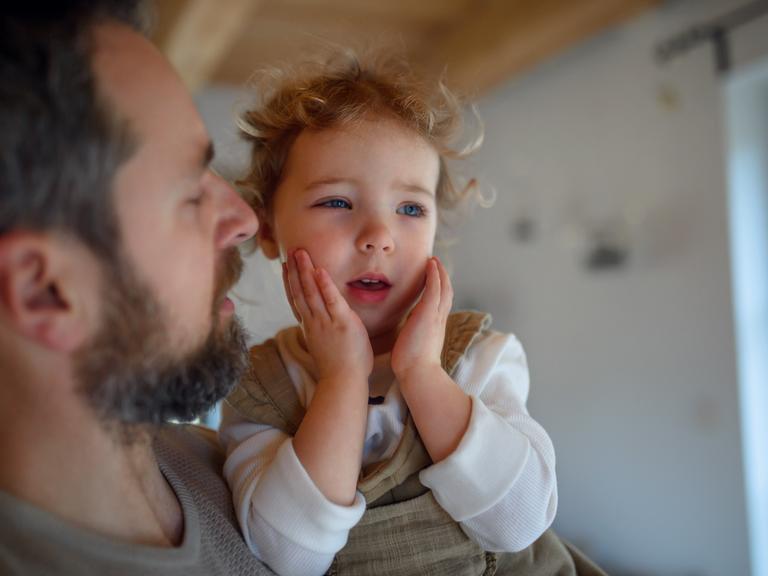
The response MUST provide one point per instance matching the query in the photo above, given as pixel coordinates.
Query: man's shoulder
(192, 460)
(191, 436)
(190, 439)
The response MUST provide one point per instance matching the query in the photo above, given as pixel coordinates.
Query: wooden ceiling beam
(202, 35)
(505, 37)
(423, 11)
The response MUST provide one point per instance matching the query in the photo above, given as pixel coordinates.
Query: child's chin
(382, 336)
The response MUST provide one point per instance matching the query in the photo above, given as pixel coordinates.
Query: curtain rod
(715, 31)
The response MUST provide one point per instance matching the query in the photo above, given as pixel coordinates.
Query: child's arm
(494, 465)
(329, 441)
(440, 409)
(500, 482)
(296, 498)
(286, 521)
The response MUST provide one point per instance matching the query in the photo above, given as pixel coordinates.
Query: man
(117, 247)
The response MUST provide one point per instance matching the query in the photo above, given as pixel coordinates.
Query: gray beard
(129, 374)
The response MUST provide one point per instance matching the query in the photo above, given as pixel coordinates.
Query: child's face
(361, 200)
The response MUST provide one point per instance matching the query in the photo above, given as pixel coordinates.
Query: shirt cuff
(482, 469)
(287, 499)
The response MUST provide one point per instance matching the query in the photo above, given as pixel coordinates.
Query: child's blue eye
(413, 210)
(336, 203)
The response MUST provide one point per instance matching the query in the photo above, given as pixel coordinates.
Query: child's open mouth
(370, 288)
(369, 284)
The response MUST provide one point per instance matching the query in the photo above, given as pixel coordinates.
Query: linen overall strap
(266, 394)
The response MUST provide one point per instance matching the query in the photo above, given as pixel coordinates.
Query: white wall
(633, 370)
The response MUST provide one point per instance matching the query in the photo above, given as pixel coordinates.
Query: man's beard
(129, 373)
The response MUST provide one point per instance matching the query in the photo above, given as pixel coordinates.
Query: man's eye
(197, 199)
(414, 210)
(335, 203)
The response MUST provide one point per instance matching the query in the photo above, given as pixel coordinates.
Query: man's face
(180, 223)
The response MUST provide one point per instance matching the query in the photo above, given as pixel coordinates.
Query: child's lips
(363, 285)
(371, 278)
(369, 288)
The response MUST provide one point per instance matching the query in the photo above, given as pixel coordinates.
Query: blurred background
(627, 145)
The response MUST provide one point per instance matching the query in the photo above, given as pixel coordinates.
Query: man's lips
(228, 273)
(227, 306)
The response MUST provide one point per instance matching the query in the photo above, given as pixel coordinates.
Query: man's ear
(35, 299)
(266, 238)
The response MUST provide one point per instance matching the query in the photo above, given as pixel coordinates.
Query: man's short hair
(61, 142)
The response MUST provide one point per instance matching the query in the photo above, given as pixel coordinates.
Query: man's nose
(237, 220)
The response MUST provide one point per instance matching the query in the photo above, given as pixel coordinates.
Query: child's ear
(35, 292)
(266, 238)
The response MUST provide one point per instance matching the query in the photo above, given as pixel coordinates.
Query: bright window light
(746, 99)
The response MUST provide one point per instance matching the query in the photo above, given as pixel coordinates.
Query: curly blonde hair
(343, 90)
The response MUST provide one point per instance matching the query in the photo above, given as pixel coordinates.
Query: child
(382, 435)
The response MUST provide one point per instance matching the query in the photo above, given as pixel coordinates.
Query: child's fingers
(334, 301)
(288, 294)
(431, 296)
(294, 283)
(446, 288)
(309, 287)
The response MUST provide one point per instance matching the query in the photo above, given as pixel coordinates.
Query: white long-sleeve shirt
(499, 483)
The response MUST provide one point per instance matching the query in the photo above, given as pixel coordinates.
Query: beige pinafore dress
(404, 531)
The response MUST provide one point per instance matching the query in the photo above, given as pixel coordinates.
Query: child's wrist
(345, 378)
(421, 372)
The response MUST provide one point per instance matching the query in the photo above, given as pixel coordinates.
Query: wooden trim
(203, 35)
(506, 37)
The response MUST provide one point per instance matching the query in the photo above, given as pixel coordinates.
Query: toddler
(383, 434)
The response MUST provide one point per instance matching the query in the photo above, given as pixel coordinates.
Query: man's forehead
(143, 88)
(117, 49)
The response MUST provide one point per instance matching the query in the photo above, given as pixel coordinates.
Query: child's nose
(375, 237)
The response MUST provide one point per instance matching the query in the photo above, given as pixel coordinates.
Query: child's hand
(420, 341)
(335, 335)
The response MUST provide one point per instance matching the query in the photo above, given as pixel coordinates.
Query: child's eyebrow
(413, 187)
(397, 184)
(328, 182)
